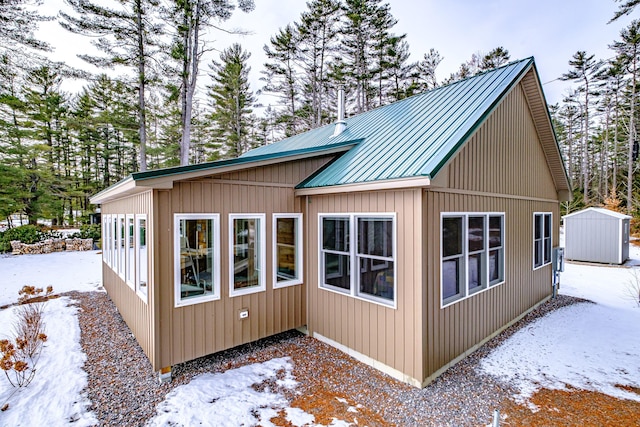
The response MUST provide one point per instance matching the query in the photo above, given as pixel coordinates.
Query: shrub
(89, 231)
(19, 358)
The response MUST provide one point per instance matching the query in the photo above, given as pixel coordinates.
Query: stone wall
(51, 245)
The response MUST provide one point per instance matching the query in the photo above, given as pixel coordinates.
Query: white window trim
(114, 243)
(298, 244)
(353, 257)
(106, 239)
(262, 278)
(136, 223)
(465, 255)
(120, 248)
(178, 302)
(130, 264)
(533, 235)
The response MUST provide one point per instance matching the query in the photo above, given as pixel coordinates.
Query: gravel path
(124, 390)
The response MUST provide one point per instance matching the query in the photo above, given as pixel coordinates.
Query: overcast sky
(549, 30)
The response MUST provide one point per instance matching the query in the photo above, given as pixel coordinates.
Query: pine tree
(232, 100)
(495, 58)
(426, 70)
(281, 75)
(318, 35)
(628, 50)
(584, 70)
(128, 36)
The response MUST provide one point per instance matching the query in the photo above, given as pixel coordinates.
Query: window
(472, 254)
(106, 239)
(141, 255)
(130, 251)
(121, 244)
(287, 240)
(541, 239)
(114, 243)
(247, 254)
(371, 255)
(196, 257)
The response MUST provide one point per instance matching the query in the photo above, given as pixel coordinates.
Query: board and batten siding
(387, 335)
(502, 168)
(137, 313)
(189, 332)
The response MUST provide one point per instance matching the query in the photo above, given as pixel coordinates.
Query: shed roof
(411, 139)
(602, 211)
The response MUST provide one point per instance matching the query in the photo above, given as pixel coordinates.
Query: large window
(141, 256)
(370, 253)
(247, 254)
(472, 254)
(541, 239)
(197, 258)
(287, 241)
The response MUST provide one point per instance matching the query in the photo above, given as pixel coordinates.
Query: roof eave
(145, 181)
(381, 185)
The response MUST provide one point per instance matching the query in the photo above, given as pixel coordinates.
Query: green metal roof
(409, 138)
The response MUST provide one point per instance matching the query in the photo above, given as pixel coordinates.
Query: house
(403, 236)
(597, 235)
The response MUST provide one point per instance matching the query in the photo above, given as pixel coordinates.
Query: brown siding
(388, 335)
(504, 156)
(192, 331)
(501, 169)
(134, 310)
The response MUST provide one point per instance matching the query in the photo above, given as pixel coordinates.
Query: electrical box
(558, 259)
(243, 313)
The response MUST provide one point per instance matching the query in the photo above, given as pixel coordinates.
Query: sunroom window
(472, 254)
(141, 256)
(247, 254)
(287, 241)
(197, 258)
(370, 253)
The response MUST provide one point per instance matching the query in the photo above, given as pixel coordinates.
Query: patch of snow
(48, 401)
(585, 346)
(65, 271)
(298, 417)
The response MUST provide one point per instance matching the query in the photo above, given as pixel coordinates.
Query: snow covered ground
(586, 346)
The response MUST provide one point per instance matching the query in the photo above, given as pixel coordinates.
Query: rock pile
(51, 245)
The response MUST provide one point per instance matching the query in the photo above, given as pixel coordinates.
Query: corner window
(287, 258)
(247, 238)
(370, 253)
(141, 256)
(541, 239)
(196, 257)
(472, 257)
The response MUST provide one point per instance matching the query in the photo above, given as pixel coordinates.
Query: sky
(549, 30)
(583, 346)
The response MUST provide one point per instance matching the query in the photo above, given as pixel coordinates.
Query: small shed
(597, 235)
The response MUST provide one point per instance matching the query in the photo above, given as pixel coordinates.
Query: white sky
(551, 31)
